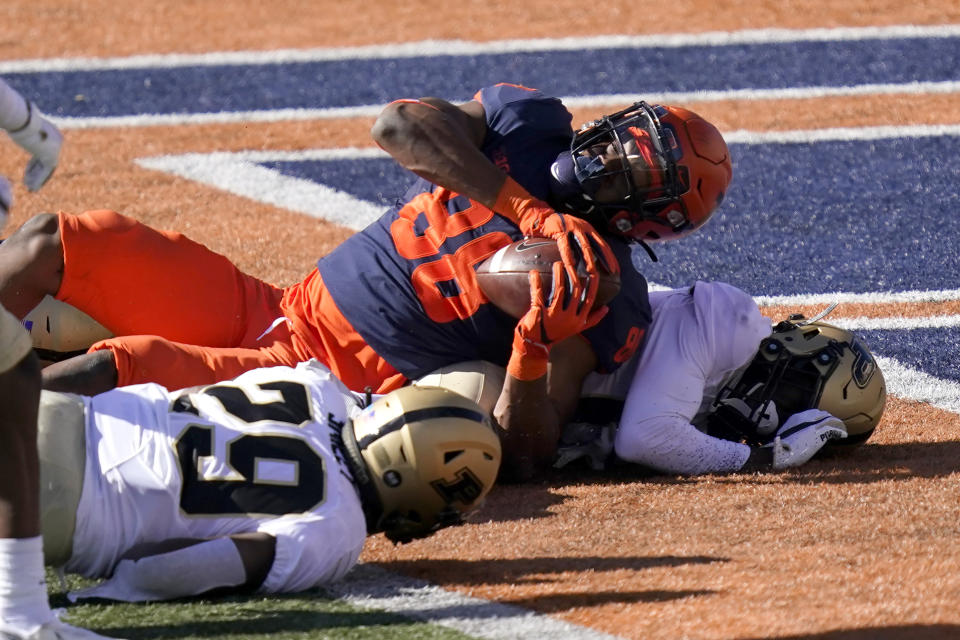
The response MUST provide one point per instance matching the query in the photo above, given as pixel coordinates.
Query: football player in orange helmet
(647, 172)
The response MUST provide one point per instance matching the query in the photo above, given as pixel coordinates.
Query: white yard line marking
(239, 174)
(879, 297)
(908, 383)
(941, 295)
(841, 133)
(792, 93)
(221, 117)
(594, 101)
(369, 586)
(897, 323)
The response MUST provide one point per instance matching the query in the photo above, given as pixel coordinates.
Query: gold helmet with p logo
(429, 456)
(805, 365)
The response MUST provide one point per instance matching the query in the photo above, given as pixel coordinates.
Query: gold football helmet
(427, 456)
(804, 365)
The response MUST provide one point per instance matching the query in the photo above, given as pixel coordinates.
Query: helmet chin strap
(370, 501)
(646, 247)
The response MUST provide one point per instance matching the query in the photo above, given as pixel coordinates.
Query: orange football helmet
(646, 172)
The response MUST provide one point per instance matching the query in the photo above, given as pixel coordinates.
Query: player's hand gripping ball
(504, 276)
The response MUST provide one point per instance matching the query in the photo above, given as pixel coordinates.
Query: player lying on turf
(398, 299)
(269, 483)
(25, 612)
(715, 390)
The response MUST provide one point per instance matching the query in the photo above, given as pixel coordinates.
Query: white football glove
(6, 201)
(42, 140)
(803, 435)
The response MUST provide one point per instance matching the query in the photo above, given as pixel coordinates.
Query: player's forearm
(670, 444)
(530, 428)
(218, 565)
(440, 143)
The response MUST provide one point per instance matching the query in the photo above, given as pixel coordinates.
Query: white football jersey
(252, 454)
(699, 338)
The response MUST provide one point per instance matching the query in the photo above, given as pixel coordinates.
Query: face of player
(622, 166)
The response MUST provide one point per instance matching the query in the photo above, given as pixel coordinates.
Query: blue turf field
(800, 218)
(825, 212)
(370, 81)
(825, 217)
(853, 216)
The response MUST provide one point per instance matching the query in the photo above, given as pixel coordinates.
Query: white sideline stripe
(369, 111)
(239, 174)
(911, 384)
(467, 48)
(368, 586)
(221, 117)
(840, 133)
(896, 323)
(792, 93)
(942, 295)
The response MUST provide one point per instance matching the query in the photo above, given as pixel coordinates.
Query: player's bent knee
(42, 237)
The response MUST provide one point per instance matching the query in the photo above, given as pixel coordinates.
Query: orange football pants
(184, 315)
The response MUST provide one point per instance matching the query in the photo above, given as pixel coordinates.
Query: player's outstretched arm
(185, 567)
(440, 142)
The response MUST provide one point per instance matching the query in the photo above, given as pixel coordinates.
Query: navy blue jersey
(407, 282)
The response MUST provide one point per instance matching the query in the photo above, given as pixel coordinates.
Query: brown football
(503, 277)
